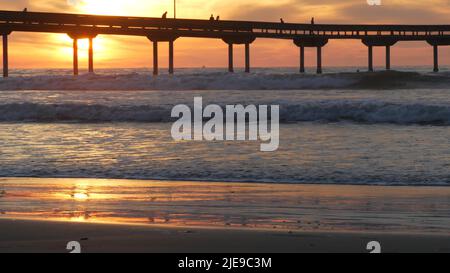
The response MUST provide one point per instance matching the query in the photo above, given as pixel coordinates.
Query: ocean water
(386, 128)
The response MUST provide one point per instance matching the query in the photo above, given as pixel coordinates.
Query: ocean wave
(227, 81)
(357, 111)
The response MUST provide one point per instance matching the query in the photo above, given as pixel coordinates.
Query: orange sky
(30, 50)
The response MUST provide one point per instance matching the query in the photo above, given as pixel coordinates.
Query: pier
(165, 30)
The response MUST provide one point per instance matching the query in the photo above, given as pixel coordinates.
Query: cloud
(267, 12)
(15, 4)
(395, 13)
(350, 11)
(38, 5)
(74, 2)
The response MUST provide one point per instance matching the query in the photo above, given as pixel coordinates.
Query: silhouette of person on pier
(217, 18)
(25, 10)
(312, 24)
(282, 22)
(211, 19)
(164, 16)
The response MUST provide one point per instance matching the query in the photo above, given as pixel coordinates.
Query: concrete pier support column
(155, 58)
(5, 56)
(247, 58)
(302, 59)
(312, 42)
(238, 39)
(370, 58)
(436, 58)
(91, 55)
(170, 57)
(230, 58)
(75, 57)
(386, 42)
(319, 60)
(388, 58)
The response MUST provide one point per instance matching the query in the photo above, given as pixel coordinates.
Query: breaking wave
(224, 81)
(365, 111)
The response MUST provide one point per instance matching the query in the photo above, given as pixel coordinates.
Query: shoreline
(212, 181)
(40, 215)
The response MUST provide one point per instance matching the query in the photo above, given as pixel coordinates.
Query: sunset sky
(29, 50)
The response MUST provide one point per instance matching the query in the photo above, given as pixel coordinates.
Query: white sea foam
(225, 81)
(44, 116)
(365, 111)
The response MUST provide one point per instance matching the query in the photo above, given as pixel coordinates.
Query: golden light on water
(81, 196)
(80, 191)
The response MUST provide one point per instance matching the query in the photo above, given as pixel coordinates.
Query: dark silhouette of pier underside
(157, 30)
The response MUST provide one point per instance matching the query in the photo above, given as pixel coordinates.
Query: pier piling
(230, 58)
(171, 57)
(247, 58)
(302, 59)
(388, 58)
(155, 58)
(75, 57)
(245, 40)
(319, 60)
(436, 58)
(91, 55)
(312, 42)
(5, 56)
(370, 58)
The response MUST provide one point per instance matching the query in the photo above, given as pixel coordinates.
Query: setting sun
(83, 45)
(105, 46)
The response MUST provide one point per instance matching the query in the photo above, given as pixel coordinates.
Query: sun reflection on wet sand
(80, 196)
(229, 205)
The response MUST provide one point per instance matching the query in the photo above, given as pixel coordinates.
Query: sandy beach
(43, 215)
(47, 236)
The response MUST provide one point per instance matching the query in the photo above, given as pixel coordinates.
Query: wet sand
(42, 215)
(46, 236)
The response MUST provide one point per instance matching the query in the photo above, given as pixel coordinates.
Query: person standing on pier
(211, 19)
